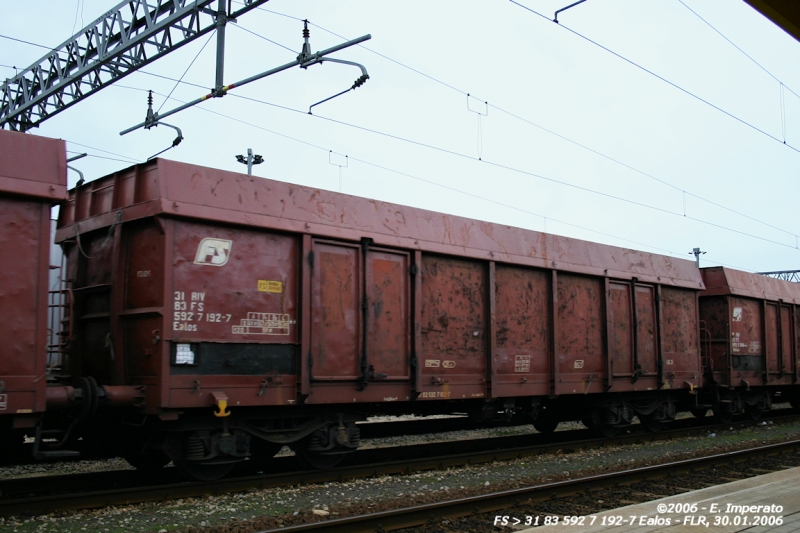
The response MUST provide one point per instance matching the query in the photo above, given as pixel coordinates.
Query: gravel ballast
(262, 509)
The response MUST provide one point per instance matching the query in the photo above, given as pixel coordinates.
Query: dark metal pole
(222, 19)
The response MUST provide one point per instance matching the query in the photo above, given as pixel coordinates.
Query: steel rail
(284, 471)
(420, 514)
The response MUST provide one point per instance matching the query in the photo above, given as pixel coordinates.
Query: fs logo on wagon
(214, 252)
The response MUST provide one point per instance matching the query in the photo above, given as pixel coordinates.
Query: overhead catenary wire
(409, 140)
(239, 26)
(78, 10)
(658, 76)
(527, 173)
(516, 170)
(453, 189)
(178, 82)
(133, 159)
(27, 42)
(447, 187)
(103, 157)
(711, 202)
(507, 167)
(554, 133)
(411, 176)
(748, 56)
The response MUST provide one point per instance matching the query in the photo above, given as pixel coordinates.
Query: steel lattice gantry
(786, 275)
(123, 40)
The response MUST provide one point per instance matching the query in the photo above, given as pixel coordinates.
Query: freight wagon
(750, 342)
(228, 315)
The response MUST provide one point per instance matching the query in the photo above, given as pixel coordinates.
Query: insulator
(150, 99)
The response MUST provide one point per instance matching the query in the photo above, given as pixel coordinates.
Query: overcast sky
(574, 140)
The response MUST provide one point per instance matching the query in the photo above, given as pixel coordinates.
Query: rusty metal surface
(646, 334)
(716, 337)
(24, 267)
(454, 326)
(679, 334)
(722, 280)
(787, 336)
(33, 166)
(745, 327)
(523, 330)
(336, 312)
(772, 337)
(189, 190)
(389, 327)
(32, 179)
(620, 329)
(233, 285)
(788, 340)
(90, 261)
(581, 321)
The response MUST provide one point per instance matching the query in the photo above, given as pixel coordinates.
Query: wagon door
(646, 330)
(336, 309)
(360, 314)
(787, 341)
(387, 318)
(620, 329)
(772, 338)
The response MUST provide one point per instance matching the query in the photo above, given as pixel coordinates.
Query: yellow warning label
(270, 286)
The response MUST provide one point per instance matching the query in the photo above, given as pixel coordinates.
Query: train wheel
(318, 460)
(606, 430)
(795, 403)
(650, 424)
(181, 446)
(545, 425)
(699, 412)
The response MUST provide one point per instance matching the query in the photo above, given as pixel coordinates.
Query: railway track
(369, 430)
(40, 495)
(476, 506)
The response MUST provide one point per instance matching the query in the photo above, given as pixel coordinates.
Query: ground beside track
(250, 511)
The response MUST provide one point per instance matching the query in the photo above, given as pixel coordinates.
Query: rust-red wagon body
(751, 331)
(204, 285)
(32, 179)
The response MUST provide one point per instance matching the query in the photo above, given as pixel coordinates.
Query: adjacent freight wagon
(750, 341)
(236, 314)
(33, 178)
